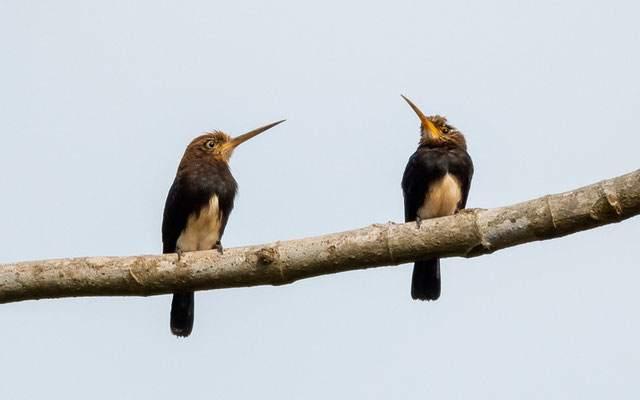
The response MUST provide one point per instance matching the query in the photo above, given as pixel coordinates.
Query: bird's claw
(218, 247)
(418, 221)
(180, 253)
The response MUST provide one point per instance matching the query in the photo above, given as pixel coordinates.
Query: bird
(198, 206)
(435, 183)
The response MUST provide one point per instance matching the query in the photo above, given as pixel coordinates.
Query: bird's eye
(445, 130)
(211, 144)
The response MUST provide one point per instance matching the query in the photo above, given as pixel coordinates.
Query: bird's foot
(418, 221)
(218, 247)
(180, 254)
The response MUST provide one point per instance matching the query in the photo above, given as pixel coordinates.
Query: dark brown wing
(189, 193)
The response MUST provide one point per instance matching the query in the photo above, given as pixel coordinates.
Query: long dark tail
(182, 314)
(425, 283)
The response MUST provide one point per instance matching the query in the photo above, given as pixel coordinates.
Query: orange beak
(426, 124)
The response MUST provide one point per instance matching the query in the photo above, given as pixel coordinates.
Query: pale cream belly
(442, 198)
(202, 231)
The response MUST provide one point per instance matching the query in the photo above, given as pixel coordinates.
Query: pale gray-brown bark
(470, 233)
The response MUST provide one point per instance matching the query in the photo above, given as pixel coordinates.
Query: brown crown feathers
(448, 135)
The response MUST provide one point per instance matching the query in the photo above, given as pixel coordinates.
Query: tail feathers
(425, 283)
(182, 307)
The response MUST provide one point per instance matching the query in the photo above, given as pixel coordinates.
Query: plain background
(99, 99)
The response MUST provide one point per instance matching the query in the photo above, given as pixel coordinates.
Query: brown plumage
(199, 151)
(435, 183)
(450, 138)
(198, 207)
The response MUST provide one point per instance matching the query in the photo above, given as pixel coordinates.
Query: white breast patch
(441, 198)
(203, 230)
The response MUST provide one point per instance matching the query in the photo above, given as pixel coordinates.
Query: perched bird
(198, 207)
(435, 183)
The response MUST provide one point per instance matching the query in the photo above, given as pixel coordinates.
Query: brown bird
(435, 183)
(198, 206)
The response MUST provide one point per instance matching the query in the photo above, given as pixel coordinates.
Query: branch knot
(607, 207)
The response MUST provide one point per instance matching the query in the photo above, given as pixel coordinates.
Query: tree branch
(470, 233)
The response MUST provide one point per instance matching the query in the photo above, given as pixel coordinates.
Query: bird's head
(436, 132)
(217, 145)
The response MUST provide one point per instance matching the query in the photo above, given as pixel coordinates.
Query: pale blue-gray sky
(99, 100)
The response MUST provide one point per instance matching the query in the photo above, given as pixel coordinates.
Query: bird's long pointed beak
(235, 142)
(426, 124)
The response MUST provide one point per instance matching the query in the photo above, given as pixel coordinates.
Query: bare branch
(471, 233)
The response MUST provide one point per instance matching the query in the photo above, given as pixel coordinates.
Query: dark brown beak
(235, 142)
